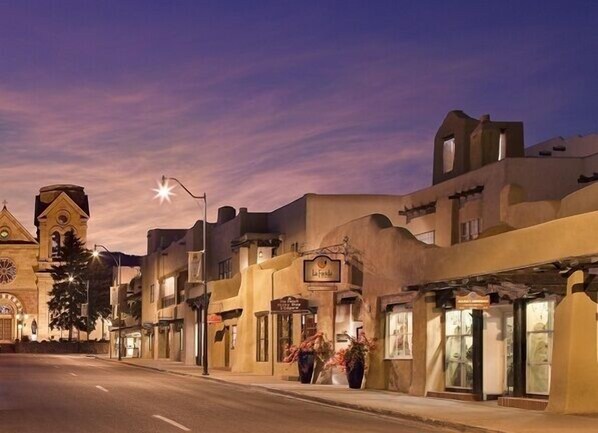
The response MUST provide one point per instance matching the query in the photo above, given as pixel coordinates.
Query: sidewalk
(462, 416)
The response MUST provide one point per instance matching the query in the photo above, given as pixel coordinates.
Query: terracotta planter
(305, 363)
(355, 375)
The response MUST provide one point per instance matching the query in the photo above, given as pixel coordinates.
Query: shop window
(284, 334)
(399, 334)
(262, 338)
(225, 269)
(471, 229)
(233, 337)
(309, 325)
(540, 327)
(427, 237)
(181, 339)
(509, 327)
(448, 155)
(459, 349)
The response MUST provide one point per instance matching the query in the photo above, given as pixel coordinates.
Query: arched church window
(55, 244)
(5, 309)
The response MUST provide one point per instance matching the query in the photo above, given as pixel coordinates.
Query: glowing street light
(164, 192)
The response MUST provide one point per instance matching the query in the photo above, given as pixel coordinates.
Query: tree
(69, 290)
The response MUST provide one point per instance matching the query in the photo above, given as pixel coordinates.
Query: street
(51, 393)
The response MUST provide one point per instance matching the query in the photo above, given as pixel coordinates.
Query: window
(262, 338)
(181, 340)
(448, 155)
(427, 237)
(180, 286)
(458, 349)
(399, 334)
(55, 245)
(152, 293)
(309, 325)
(284, 331)
(471, 229)
(233, 337)
(167, 292)
(502, 145)
(539, 329)
(225, 269)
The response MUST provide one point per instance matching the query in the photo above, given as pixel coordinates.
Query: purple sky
(258, 105)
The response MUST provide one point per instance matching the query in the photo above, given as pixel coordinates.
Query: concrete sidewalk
(458, 415)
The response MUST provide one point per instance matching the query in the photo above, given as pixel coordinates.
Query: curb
(457, 426)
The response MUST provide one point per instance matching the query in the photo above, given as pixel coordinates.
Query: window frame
(450, 140)
(283, 321)
(261, 346)
(225, 269)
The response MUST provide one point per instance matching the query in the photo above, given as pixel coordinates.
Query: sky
(258, 103)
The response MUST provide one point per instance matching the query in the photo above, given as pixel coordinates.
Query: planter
(305, 363)
(355, 375)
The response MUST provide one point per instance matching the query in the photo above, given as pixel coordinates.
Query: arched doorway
(10, 307)
(7, 317)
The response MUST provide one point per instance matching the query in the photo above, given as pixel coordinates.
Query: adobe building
(25, 260)
(476, 288)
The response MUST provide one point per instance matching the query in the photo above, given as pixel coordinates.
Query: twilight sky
(258, 103)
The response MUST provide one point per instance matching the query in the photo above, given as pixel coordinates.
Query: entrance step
(7, 348)
(462, 396)
(523, 403)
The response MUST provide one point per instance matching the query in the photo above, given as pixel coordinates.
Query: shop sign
(322, 269)
(288, 304)
(214, 318)
(472, 301)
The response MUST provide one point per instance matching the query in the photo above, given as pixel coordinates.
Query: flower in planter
(358, 349)
(316, 344)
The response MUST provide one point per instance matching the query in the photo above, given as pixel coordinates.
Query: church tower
(58, 210)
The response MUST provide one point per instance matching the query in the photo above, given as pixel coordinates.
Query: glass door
(540, 327)
(508, 327)
(459, 349)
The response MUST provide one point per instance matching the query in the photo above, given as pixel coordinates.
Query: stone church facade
(26, 260)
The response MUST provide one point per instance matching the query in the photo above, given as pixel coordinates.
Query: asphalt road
(43, 393)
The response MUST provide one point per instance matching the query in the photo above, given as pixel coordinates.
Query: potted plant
(352, 359)
(312, 350)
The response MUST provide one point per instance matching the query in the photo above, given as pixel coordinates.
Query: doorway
(6, 329)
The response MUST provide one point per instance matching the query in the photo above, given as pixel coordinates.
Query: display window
(459, 349)
(399, 334)
(539, 330)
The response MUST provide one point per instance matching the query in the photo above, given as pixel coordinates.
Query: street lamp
(164, 192)
(96, 253)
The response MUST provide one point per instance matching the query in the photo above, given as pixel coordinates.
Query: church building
(26, 260)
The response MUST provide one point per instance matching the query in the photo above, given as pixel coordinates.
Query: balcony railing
(167, 301)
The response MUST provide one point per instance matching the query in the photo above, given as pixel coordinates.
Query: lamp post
(164, 192)
(96, 253)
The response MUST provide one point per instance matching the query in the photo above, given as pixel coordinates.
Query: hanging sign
(472, 301)
(288, 305)
(322, 269)
(194, 266)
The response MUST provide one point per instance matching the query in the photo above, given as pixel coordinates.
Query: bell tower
(58, 210)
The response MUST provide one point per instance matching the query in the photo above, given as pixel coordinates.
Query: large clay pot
(355, 375)
(305, 363)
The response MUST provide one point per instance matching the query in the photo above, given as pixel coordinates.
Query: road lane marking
(73, 374)
(101, 388)
(171, 422)
(56, 366)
